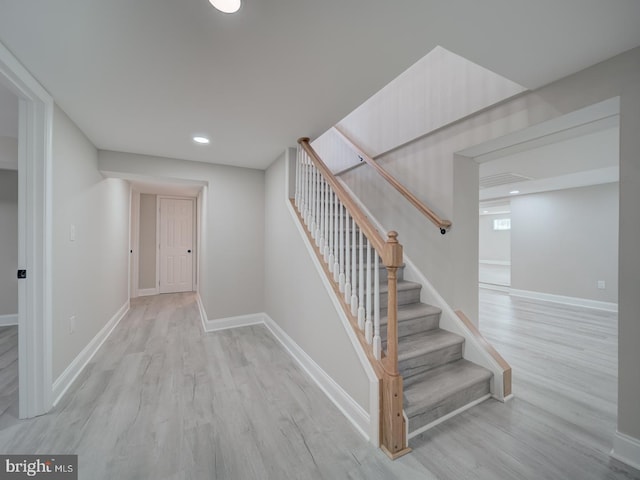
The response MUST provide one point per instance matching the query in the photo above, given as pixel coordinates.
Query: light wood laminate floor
(161, 400)
(8, 373)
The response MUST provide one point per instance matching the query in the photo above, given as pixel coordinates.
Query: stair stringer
(473, 350)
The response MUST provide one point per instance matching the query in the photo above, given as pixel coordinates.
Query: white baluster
(368, 325)
(347, 259)
(336, 244)
(325, 242)
(321, 220)
(309, 192)
(354, 280)
(377, 342)
(318, 216)
(361, 311)
(341, 278)
(330, 230)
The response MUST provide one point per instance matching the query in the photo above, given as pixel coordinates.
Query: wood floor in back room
(161, 400)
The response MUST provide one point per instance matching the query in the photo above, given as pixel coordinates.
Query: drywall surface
(494, 245)
(90, 272)
(147, 241)
(232, 248)
(8, 242)
(629, 267)
(564, 241)
(296, 298)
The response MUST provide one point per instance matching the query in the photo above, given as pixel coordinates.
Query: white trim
(233, 322)
(34, 234)
(147, 292)
(448, 416)
(493, 286)
(203, 313)
(506, 263)
(75, 368)
(573, 301)
(354, 412)
(134, 244)
(626, 449)
(8, 320)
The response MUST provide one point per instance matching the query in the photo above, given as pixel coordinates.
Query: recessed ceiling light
(514, 192)
(226, 6)
(485, 211)
(201, 140)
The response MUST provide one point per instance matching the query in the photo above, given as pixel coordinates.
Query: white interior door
(176, 245)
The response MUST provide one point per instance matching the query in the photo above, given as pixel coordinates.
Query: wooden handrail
(506, 368)
(443, 225)
(388, 255)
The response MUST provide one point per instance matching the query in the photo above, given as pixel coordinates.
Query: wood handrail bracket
(443, 225)
(393, 438)
(506, 368)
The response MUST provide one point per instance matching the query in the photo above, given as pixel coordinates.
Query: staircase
(420, 367)
(437, 380)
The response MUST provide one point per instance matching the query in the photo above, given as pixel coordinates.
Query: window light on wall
(502, 224)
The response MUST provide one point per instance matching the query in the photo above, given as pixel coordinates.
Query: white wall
(564, 241)
(232, 252)
(494, 245)
(147, 241)
(296, 298)
(8, 153)
(8, 242)
(90, 274)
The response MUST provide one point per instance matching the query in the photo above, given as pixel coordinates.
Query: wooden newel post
(393, 425)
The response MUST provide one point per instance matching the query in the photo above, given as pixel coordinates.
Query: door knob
(188, 251)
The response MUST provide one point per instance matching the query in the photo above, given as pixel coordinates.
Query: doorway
(35, 118)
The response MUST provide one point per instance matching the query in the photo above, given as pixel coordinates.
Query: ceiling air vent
(502, 179)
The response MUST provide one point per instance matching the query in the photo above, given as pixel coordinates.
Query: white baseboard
(8, 320)
(203, 313)
(493, 286)
(146, 292)
(505, 263)
(574, 301)
(626, 449)
(66, 379)
(233, 322)
(357, 415)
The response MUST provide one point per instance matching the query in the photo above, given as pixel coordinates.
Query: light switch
(72, 233)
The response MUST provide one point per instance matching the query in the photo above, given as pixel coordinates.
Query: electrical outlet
(601, 284)
(72, 323)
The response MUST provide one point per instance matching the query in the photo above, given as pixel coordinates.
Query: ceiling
(144, 76)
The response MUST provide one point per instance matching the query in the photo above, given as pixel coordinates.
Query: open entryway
(165, 236)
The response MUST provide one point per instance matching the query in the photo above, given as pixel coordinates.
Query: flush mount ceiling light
(514, 192)
(226, 6)
(201, 140)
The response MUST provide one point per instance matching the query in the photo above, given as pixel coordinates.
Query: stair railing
(443, 225)
(350, 249)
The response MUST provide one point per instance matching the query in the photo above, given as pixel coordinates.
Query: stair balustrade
(351, 249)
